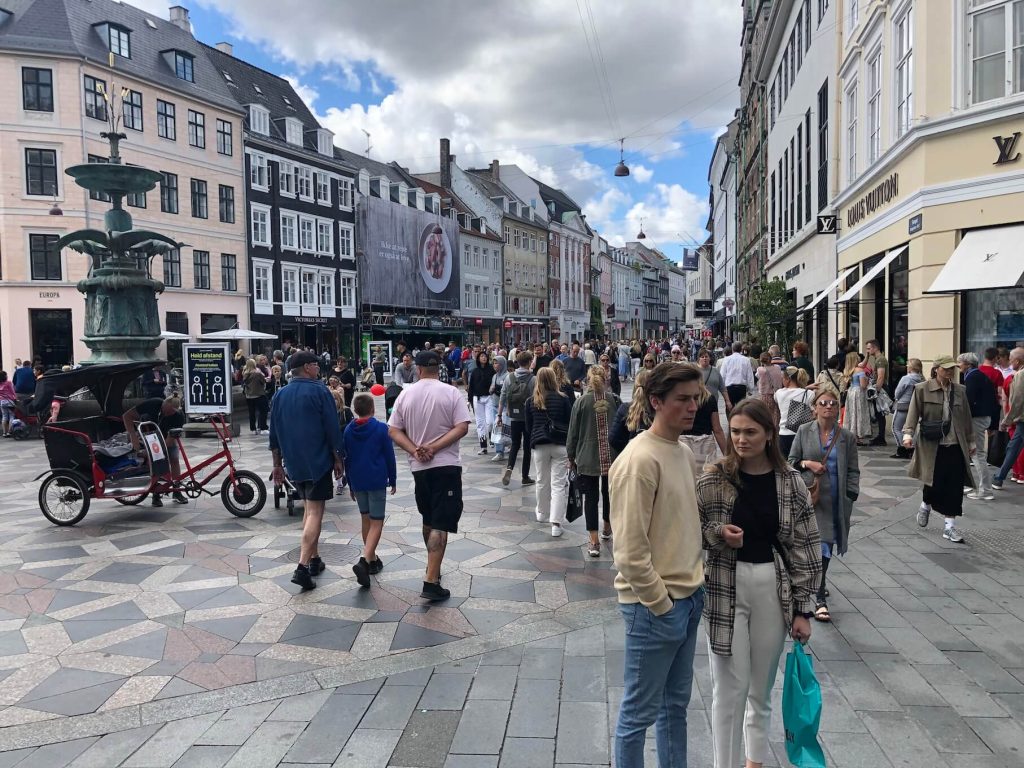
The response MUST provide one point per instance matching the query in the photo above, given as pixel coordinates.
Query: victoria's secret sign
(881, 195)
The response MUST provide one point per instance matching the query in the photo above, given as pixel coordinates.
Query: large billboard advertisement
(409, 257)
(691, 257)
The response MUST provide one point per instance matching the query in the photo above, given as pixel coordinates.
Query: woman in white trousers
(547, 426)
(479, 393)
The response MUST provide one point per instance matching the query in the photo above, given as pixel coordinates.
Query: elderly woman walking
(901, 397)
(769, 381)
(939, 429)
(826, 455)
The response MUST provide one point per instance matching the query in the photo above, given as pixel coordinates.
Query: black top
(480, 381)
(557, 408)
(805, 364)
(543, 361)
(702, 421)
(614, 384)
(347, 376)
(982, 397)
(757, 512)
(575, 369)
(149, 410)
(619, 434)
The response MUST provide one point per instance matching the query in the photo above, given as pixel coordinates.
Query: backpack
(518, 389)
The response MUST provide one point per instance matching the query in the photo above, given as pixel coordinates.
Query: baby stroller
(19, 429)
(367, 380)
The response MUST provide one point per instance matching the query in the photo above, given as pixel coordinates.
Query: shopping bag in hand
(801, 710)
(574, 498)
(497, 436)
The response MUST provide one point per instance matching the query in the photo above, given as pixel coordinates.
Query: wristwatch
(807, 616)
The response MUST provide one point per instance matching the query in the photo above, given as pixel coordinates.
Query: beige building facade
(177, 122)
(931, 175)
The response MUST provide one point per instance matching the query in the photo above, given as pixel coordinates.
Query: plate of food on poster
(435, 258)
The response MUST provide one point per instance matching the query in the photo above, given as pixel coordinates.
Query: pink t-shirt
(426, 411)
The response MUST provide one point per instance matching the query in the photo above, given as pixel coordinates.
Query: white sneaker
(953, 534)
(498, 457)
(539, 515)
(922, 515)
(968, 489)
(984, 495)
(556, 531)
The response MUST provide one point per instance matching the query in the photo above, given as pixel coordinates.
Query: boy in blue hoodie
(371, 468)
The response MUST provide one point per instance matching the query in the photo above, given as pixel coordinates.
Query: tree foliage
(769, 313)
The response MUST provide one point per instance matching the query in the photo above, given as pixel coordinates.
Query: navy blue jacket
(369, 456)
(304, 428)
(24, 381)
(982, 396)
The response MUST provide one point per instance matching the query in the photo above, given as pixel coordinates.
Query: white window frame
(325, 142)
(293, 131)
(289, 231)
(309, 292)
(874, 107)
(1006, 6)
(290, 289)
(347, 297)
(259, 225)
(322, 187)
(346, 193)
(903, 80)
(307, 227)
(325, 293)
(286, 178)
(263, 305)
(324, 237)
(346, 240)
(851, 130)
(304, 182)
(259, 120)
(259, 172)
(852, 16)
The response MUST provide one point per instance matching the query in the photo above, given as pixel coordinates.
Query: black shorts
(439, 497)
(317, 490)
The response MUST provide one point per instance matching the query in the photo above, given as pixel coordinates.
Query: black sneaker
(316, 566)
(376, 566)
(529, 481)
(157, 501)
(880, 442)
(303, 578)
(362, 572)
(179, 498)
(434, 592)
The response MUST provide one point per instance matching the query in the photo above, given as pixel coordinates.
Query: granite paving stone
(172, 741)
(206, 757)
(494, 682)
(528, 753)
(391, 708)
(425, 742)
(481, 729)
(446, 691)
(330, 728)
(535, 709)
(368, 748)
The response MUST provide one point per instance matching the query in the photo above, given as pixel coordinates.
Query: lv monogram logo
(1007, 146)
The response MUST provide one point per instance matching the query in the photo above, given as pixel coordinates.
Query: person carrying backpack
(517, 390)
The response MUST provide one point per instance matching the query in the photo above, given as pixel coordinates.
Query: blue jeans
(1013, 449)
(658, 675)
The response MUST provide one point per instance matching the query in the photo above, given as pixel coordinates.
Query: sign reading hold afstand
(207, 385)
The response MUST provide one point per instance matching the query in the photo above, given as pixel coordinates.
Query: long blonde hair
(637, 417)
(546, 383)
(851, 363)
(597, 381)
(250, 366)
(558, 368)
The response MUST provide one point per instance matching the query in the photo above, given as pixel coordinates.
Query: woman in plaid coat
(763, 566)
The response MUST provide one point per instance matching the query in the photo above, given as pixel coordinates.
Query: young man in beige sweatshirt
(660, 582)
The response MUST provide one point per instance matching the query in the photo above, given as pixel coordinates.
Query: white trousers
(552, 467)
(484, 417)
(743, 681)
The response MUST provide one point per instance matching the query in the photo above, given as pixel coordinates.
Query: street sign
(207, 372)
(828, 225)
(703, 307)
(914, 224)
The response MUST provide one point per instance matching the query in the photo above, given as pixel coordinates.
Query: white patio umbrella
(174, 336)
(237, 334)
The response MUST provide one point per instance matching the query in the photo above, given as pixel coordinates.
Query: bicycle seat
(174, 433)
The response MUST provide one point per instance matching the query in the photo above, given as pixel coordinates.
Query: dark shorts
(317, 490)
(439, 497)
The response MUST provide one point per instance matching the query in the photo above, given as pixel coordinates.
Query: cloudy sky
(515, 81)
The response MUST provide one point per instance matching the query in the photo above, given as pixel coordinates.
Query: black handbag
(574, 498)
(997, 444)
(557, 432)
(799, 413)
(936, 429)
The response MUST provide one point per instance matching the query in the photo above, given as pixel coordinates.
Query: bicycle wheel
(63, 498)
(246, 496)
(131, 501)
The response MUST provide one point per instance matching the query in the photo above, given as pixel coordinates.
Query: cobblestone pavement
(160, 637)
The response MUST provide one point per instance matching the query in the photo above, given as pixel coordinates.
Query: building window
(798, 179)
(227, 204)
(807, 166)
(45, 257)
(823, 147)
(851, 133)
(261, 283)
(258, 175)
(773, 233)
(348, 292)
(346, 192)
(874, 107)
(165, 127)
(996, 49)
(169, 192)
(259, 120)
(904, 34)
(852, 15)
(822, 9)
(120, 40)
(286, 178)
(324, 238)
(287, 230)
(131, 109)
(260, 218)
(95, 104)
(326, 289)
(323, 188)
(196, 129)
(345, 249)
(199, 207)
(304, 182)
(183, 66)
(306, 235)
(224, 137)
(136, 199)
(507, 235)
(201, 270)
(293, 132)
(228, 272)
(103, 197)
(41, 171)
(37, 89)
(172, 269)
(309, 288)
(289, 286)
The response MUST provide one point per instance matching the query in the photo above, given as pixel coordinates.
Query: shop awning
(821, 296)
(985, 259)
(871, 274)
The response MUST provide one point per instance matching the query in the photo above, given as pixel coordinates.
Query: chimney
(446, 167)
(495, 170)
(227, 48)
(179, 18)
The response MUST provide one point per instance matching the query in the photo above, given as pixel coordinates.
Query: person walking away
(794, 390)
(660, 572)
(8, 402)
(857, 418)
(24, 381)
(737, 375)
(614, 382)
(706, 437)
(940, 431)
(630, 418)
(371, 469)
(517, 390)
(826, 455)
(983, 401)
(548, 413)
(1014, 417)
(306, 437)
(501, 376)
(904, 392)
(590, 453)
(769, 381)
(254, 384)
(636, 354)
(428, 421)
(238, 366)
(166, 413)
(800, 359)
(878, 367)
(479, 394)
(622, 350)
(762, 542)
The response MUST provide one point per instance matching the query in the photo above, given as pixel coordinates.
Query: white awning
(821, 296)
(871, 274)
(985, 259)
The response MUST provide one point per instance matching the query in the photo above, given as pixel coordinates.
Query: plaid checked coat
(798, 574)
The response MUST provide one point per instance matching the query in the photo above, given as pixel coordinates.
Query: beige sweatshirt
(657, 544)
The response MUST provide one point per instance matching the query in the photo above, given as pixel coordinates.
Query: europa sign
(878, 197)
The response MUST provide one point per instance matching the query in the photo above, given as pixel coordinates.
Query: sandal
(594, 549)
(606, 535)
(821, 612)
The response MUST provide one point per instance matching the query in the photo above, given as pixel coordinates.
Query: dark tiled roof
(391, 171)
(563, 203)
(482, 178)
(455, 201)
(67, 27)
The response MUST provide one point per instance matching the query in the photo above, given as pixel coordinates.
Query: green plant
(769, 313)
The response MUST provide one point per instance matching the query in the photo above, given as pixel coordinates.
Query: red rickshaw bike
(91, 456)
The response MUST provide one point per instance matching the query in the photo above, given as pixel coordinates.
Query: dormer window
(325, 142)
(433, 202)
(403, 193)
(119, 39)
(259, 120)
(183, 66)
(293, 131)
(513, 207)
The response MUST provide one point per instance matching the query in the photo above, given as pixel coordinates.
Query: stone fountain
(122, 323)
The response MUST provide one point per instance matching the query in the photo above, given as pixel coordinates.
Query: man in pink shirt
(428, 421)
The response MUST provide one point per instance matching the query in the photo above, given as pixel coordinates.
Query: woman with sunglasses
(611, 374)
(826, 453)
(650, 361)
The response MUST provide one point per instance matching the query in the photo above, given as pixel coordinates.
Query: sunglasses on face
(827, 403)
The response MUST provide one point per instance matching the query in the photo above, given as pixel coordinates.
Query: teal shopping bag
(801, 710)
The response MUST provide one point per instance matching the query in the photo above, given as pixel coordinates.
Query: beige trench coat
(926, 405)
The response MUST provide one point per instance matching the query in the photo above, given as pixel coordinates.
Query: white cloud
(307, 93)
(669, 214)
(641, 174)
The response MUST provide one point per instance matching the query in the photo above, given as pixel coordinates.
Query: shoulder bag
(799, 413)
(936, 429)
(814, 487)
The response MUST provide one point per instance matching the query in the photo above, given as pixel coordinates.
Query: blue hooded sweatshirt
(369, 456)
